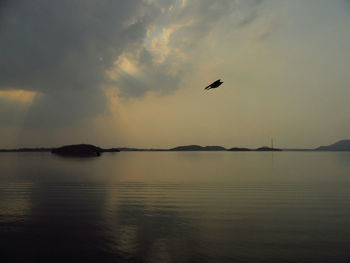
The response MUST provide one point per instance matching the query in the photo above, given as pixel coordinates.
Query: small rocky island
(81, 150)
(267, 149)
(84, 150)
(198, 148)
(239, 149)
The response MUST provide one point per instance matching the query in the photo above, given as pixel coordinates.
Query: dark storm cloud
(62, 48)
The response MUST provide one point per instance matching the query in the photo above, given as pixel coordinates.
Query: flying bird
(214, 85)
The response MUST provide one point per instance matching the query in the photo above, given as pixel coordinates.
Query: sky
(132, 73)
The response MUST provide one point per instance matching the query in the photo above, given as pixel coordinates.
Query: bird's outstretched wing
(213, 85)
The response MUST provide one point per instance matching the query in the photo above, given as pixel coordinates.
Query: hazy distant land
(342, 145)
(75, 149)
(81, 150)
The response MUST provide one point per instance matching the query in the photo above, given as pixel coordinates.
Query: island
(81, 150)
(91, 150)
(198, 148)
(84, 150)
(239, 149)
(267, 149)
(343, 145)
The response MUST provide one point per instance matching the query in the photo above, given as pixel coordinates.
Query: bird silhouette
(214, 85)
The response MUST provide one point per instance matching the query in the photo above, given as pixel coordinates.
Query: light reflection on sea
(176, 207)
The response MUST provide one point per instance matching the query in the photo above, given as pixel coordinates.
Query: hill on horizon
(81, 150)
(78, 150)
(198, 148)
(343, 145)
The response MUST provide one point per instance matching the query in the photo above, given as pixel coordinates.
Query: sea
(175, 207)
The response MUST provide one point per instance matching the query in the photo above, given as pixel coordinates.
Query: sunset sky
(132, 73)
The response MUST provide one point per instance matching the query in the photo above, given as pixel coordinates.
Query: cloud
(17, 110)
(21, 96)
(62, 49)
(68, 50)
(167, 55)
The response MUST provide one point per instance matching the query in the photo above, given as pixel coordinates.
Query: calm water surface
(176, 207)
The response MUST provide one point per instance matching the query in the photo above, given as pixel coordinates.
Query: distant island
(82, 150)
(219, 148)
(91, 150)
(198, 148)
(267, 149)
(343, 145)
(261, 149)
(238, 149)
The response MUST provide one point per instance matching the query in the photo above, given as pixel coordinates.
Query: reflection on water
(176, 207)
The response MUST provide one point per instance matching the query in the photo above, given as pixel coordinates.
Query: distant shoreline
(168, 150)
(188, 148)
(343, 145)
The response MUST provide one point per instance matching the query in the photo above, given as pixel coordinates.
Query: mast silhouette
(272, 143)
